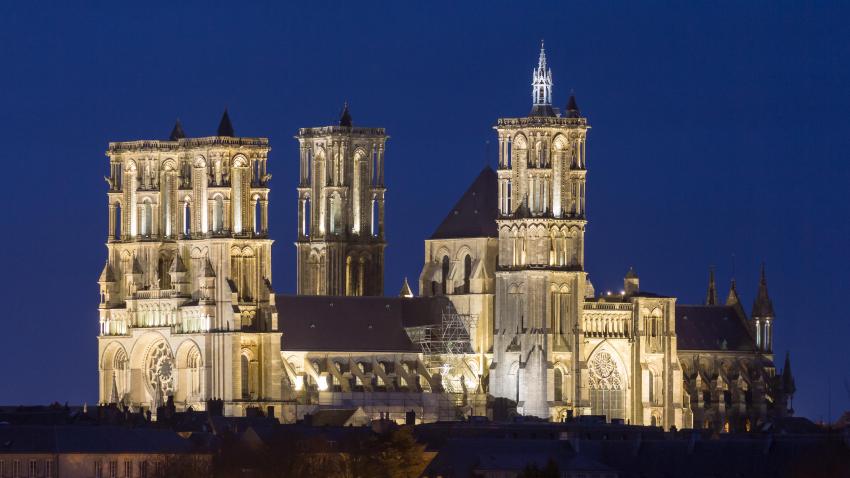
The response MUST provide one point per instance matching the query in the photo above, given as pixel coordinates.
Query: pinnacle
(345, 117)
(225, 127)
(177, 132)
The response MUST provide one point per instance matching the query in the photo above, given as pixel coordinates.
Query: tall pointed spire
(225, 127)
(113, 395)
(541, 87)
(732, 298)
(177, 132)
(762, 306)
(711, 296)
(345, 117)
(788, 385)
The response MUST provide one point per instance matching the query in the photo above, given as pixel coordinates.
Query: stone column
(111, 232)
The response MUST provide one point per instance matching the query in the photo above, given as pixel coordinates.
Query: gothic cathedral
(505, 314)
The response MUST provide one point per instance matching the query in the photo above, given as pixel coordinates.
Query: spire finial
(345, 116)
(541, 87)
(763, 274)
(711, 297)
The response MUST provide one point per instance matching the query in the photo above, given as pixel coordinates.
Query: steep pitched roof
(475, 214)
(225, 127)
(711, 295)
(707, 327)
(340, 324)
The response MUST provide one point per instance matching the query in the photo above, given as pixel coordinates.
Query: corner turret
(762, 316)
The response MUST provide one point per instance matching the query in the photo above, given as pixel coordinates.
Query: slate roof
(91, 439)
(475, 214)
(706, 327)
(342, 324)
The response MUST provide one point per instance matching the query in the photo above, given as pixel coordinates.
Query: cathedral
(506, 320)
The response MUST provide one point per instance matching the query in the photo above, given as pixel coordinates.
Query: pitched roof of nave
(354, 324)
(475, 213)
(711, 327)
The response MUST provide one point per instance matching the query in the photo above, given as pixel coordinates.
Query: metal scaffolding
(445, 345)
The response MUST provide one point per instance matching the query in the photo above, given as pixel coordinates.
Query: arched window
(195, 372)
(607, 396)
(336, 213)
(187, 219)
(445, 275)
(305, 220)
(467, 272)
(218, 214)
(246, 377)
(559, 385)
(162, 270)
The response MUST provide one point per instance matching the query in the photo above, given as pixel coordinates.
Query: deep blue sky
(718, 129)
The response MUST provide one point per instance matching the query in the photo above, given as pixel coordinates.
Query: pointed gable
(475, 214)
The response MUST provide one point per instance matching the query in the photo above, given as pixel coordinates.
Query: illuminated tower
(540, 278)
(762, 317)
(186, 306)
(341, 210)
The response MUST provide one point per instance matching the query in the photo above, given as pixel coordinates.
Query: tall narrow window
(187, 219)
(236, 198)
(305, 226)
(218, 214)
(559, 385)
(118, 224)
(372, 218)
(650, 386)
(246, 379)
(145, 218)
(445, 275)
(256, 215)
(467, 273)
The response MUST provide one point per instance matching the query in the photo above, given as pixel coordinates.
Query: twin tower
(341, 210)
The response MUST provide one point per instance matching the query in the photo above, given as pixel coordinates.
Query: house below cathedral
(506, 319)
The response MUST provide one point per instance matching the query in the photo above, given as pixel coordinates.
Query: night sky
(717, 132)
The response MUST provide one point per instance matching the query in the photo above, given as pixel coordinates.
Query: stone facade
(341, 210)
(506, 317)
(186, 305)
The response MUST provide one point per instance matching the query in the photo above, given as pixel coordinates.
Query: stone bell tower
(540, 278)
(341, 210)
(186, 306)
